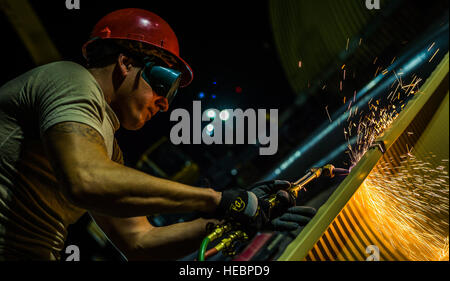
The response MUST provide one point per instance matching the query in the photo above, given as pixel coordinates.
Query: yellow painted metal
(342, 230)
(300, 247)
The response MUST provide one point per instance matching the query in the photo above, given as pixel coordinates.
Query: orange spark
(434, 55)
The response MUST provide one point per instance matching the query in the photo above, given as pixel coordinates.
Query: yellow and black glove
(279, 187)
(245, 208)
(286, 216)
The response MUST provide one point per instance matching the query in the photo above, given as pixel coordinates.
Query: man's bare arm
(139, 240)
(92, 181)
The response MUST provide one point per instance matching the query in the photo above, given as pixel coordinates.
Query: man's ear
(125, 64)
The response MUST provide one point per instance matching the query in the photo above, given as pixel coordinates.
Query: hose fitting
(227, 243)
(219, 231)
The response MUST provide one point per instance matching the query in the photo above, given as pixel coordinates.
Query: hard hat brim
(177, 62)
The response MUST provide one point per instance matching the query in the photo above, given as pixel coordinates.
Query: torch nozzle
(341, 171)
(331, 171)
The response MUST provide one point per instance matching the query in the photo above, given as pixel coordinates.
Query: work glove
(245, 208)
(294, 218)
(265, 188)
(278, 187)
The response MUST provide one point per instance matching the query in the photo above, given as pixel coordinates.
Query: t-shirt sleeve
(117, 155)
(72, 96)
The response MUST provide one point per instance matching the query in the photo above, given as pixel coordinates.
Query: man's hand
(278, 187)
(250, 209)
(294, 218)
(245, 208)
(265, 188)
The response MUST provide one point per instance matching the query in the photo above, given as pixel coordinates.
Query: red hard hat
(145, 27)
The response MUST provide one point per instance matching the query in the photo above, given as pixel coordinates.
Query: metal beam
(30, 30)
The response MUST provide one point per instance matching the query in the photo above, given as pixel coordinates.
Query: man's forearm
(169, 242)
(117, 190)
(92, 181)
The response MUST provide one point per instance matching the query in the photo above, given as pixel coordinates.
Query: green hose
(202, 250)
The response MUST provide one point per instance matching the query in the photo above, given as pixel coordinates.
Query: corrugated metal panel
(360, 216)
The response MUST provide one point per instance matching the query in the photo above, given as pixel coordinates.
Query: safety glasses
(164, 81)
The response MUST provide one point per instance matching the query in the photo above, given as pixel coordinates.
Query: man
(59, 158)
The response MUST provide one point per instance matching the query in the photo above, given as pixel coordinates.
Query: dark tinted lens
(160, 90)
(164, 81)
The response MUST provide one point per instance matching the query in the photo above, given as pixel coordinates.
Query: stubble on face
(132, 104)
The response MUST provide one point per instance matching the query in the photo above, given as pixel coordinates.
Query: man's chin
(134, 127)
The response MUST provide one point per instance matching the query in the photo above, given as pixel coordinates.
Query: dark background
(226, 43)
(229, 45)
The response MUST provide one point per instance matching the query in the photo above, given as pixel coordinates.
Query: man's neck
(104, 79)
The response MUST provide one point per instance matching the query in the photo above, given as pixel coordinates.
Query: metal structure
(233, 230)
(343, 228)
(30, 30)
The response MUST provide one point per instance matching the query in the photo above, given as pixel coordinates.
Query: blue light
(214, 82)
(213, 96)
(417, 60)
(201, 95)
